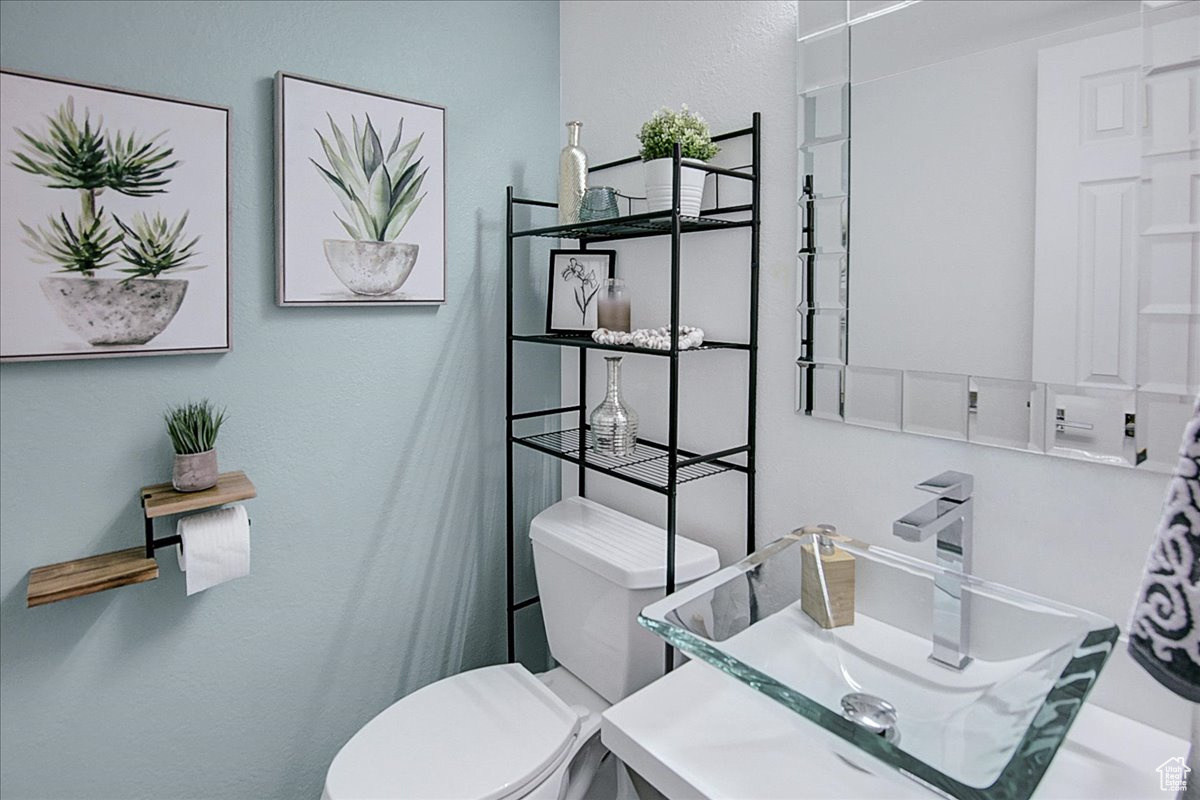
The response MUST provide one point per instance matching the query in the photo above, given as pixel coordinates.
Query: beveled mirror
(999, 222)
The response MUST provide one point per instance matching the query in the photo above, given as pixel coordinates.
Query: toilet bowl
(501, 732)
(493, 733)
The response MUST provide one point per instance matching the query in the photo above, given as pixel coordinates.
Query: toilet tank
(596, 570)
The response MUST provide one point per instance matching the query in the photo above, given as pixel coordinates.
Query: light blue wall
(374, 435)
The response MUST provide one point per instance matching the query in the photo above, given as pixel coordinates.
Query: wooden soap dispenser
(838, 568)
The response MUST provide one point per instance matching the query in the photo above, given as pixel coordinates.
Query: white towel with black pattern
(1164, 635)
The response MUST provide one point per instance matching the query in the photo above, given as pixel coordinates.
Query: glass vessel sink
(985, 732)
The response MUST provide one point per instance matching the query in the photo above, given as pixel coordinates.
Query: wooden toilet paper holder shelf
(163, 499)
(84, 576)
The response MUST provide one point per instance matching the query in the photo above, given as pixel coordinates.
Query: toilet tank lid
(620, 548)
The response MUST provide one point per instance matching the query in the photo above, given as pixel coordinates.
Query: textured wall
(1072, 531)
(374, 435)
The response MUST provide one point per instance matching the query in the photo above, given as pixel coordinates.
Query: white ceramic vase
(658, 186)
(371, 268)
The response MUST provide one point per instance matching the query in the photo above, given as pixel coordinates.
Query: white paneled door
(1088, 167)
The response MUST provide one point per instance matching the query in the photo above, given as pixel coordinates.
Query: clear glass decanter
(572, 176)
(614, 424)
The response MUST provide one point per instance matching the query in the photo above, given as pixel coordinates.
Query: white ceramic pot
(113, 311)
(194, 472)
(371, 268)
(658, 186)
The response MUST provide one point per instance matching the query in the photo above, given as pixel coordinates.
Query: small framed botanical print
(576, 277)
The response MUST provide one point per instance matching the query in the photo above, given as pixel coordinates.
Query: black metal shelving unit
(657, 466)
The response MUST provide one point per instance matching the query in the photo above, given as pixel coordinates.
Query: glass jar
(599, 202)
(613, 311)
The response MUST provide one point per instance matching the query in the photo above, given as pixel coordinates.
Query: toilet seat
(488, 734)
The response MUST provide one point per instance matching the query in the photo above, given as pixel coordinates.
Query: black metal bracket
(153, 544)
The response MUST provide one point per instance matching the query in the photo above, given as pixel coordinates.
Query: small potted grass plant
(658, 137)
(193, 430)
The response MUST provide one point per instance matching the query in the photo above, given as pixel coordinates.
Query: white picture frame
(83, 273)
(573, 299)
(343, 238)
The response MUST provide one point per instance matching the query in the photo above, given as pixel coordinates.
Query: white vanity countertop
(700, 733)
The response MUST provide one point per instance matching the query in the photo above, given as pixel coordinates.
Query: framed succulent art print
(360, 199)
(114, 222)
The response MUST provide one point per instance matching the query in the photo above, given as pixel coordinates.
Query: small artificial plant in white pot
(193, 430)
(658, 137)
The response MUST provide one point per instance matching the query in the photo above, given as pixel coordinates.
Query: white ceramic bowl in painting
(115, 311)
(371, 268)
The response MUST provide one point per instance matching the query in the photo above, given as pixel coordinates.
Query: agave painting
(360, 197)
(379, 191)
(89, 159)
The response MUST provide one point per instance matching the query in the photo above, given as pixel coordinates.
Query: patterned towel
(1164, 635)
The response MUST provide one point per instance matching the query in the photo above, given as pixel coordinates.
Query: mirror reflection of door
(1089, 160)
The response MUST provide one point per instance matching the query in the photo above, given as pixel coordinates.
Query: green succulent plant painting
(152, 246)
(378, 191)
(360, 181)
(115, 227)
(89, 159)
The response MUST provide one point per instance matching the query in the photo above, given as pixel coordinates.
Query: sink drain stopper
(873, 713)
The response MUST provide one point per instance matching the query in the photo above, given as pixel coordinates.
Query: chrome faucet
(949, 517)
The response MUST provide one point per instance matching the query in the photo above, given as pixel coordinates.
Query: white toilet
(501, 732)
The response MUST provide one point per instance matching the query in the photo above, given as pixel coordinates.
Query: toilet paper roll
(214, 547)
